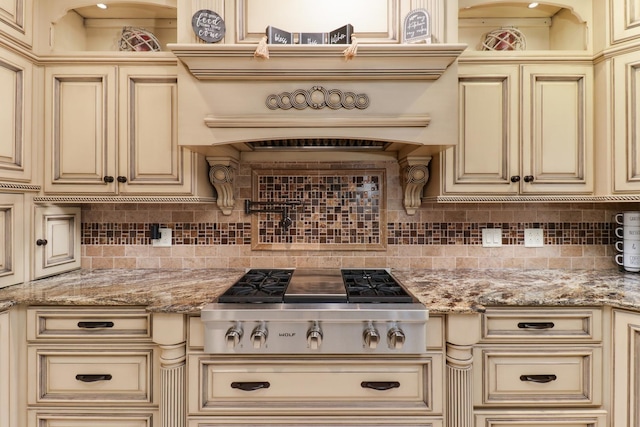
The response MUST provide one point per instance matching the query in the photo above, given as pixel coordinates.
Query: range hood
(308, 102)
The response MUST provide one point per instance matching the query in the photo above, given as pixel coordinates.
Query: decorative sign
(417, 26)
(208, 26)
(312, 38)
(341, 35)
(278, 36)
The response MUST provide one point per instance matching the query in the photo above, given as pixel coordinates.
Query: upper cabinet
(501, 26)
(123, 26)
(16, 21)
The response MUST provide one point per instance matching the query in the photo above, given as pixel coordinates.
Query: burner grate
(259, 286)
(373, 286)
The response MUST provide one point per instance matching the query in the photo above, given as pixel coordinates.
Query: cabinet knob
(122, 179)
(515, 178)
(41, 242)
(108, 179)
(528, 178)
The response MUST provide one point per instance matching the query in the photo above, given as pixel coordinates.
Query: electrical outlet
(491, 237)
(533, 237)
(165, 238)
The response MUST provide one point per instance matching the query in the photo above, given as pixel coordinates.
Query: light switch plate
(165, 238)
(533, 237)
(491, 237)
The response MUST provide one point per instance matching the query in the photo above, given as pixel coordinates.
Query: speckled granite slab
(442, 291)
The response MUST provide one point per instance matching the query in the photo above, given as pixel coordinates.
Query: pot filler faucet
(274, 207)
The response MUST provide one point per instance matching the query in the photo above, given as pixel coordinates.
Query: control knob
(371, 337)
(314, 336)
(395, 338)
(259, 336)
(232, 336)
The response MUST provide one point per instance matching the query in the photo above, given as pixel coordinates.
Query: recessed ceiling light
(101, 5)
(534, 4)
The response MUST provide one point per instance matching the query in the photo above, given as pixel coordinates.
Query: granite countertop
(442, 291)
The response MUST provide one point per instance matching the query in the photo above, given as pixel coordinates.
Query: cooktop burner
(316, 286)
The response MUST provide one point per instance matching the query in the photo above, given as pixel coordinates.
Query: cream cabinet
(91, 366)
(57, 240)
(16, 85)
(112, 130)
(5, 369)
(16, 21)
(524, 129)
(319, 390)
(538, 366)
(12, 368)
(626, 374)
(13, 232)
(625, 15)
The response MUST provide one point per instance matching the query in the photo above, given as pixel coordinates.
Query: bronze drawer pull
(95, 325)
(538, 378)
(92, 378)
(536, 325)
(380, 385)
(250, 385)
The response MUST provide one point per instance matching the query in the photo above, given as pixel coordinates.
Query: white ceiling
(123, 11)
(508, 10)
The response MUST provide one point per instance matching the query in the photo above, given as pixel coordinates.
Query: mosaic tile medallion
(341, 210)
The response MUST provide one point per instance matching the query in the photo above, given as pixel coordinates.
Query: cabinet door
(16, 20)
(12, 235)
(5, 370)
(626, 125)
(150, 159)
(80, 125)
(557, 129)
(625, 19)
(16, 84)
(487, 153)
(57, 234)
(626, 375)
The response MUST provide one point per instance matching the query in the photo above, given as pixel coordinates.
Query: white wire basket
(135, 39)
(506, 38)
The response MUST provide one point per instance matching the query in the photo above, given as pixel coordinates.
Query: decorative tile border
(435, 233)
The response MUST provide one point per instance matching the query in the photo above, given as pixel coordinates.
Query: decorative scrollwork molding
(317, 97)
(222, 176)
(415, 176)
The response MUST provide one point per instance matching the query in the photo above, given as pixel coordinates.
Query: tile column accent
(169, 335)
(463, 332)
(222, 171)
(415, 175)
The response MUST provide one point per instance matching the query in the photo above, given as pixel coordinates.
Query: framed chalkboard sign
(417, 26)
(208, 26)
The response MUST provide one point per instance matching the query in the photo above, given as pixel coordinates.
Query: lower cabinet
(12, 235)
(91, 366)
(626, 372)
(315, 422)
(539, 367)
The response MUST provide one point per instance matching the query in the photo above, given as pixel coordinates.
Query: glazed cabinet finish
(315, 390)
(113, 131)
(12, 239)
(540, 366)
(16, 21)
(57, 244)
(625, 17)
(524, 129)
(5, 370)
(91, 366)
(626, 369)
(16, 85)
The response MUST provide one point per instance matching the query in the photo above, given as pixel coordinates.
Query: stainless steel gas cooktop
(298, 311)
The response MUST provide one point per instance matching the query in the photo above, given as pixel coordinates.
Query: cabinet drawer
(87, 323)
(99, 376)
(544, 325)
(43, 419)
(542, 419)
(538, 376)
(312, 386)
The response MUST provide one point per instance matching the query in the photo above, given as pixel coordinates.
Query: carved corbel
(222, 172)
(415, 175)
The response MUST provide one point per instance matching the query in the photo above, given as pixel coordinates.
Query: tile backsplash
(439, 235)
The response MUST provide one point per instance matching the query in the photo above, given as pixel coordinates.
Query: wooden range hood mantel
(318, 62)
(226, 106)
